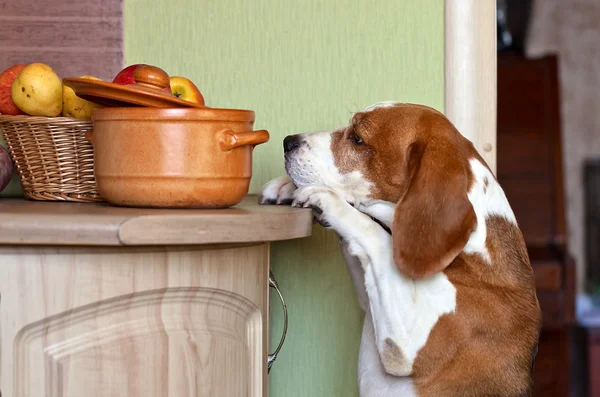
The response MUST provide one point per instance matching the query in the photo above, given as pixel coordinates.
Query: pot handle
(230, 140)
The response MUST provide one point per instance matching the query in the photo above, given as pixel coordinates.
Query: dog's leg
(356, 274)
(277, 191)
(403, 310)
(373, 381)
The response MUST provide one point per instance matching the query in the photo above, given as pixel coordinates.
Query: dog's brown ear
(434, 218)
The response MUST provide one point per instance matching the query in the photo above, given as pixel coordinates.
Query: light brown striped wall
(83, 37)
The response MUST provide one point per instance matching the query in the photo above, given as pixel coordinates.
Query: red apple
(183, 88)
(7, 106)
(6, 168)
(125, 76)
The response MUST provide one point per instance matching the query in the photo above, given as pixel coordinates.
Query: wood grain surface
(61, 8)
(75, 38)
(135, 322)
(55, 223)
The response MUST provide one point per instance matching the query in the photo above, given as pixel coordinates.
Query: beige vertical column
(470, 72)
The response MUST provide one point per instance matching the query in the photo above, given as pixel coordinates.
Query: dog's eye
(356, 139)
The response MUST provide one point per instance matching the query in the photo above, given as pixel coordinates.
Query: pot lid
(148, 91)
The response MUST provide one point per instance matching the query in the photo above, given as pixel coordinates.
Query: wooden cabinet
(530, 171)
(138, 318)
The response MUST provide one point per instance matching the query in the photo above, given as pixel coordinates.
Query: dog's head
(409, 155)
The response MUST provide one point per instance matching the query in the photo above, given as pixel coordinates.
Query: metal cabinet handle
(273, 356)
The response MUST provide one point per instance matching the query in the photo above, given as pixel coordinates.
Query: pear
(37, 91)
(76, 107)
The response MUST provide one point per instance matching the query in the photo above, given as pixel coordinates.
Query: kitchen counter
(107, 301)
(39, 222)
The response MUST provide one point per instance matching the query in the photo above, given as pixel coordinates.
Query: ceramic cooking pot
(174, 157)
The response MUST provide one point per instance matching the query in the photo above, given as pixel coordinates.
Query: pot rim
(172, 114)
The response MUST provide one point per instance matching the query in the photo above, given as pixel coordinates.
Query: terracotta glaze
(174, 157)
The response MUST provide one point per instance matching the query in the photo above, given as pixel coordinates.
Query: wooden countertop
(54, 223)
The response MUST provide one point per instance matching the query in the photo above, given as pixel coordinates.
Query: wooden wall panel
(70, 35)
(62, 8)
(104, 64)
(74, 38)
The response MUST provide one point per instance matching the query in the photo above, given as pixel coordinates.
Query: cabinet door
(133, 323)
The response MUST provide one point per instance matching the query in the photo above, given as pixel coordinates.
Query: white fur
(277, 190)
(404, 311)
(380, 210)
(384, 104)
(486, 202)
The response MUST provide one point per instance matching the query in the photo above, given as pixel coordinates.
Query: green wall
(301, 65)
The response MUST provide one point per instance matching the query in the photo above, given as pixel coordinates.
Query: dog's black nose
(290, 143)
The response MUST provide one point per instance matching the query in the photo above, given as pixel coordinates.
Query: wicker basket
(54, 159)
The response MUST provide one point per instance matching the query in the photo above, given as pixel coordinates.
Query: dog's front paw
(278, 191)
(381, 210)
(326, 204)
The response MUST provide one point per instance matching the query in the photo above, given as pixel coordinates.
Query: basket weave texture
(53, 157)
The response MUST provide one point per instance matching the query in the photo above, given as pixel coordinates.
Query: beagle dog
(433, 247)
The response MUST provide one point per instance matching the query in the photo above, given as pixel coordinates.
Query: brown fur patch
(485, 348)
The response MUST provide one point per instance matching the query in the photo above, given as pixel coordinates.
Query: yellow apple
(37, 91)
(76, 107)
(183, 88)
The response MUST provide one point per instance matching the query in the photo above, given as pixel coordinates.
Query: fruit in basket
(76, 107)
(6, 168)
(185, 89)
(7, 106)
(37, 91)
(125, 76)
